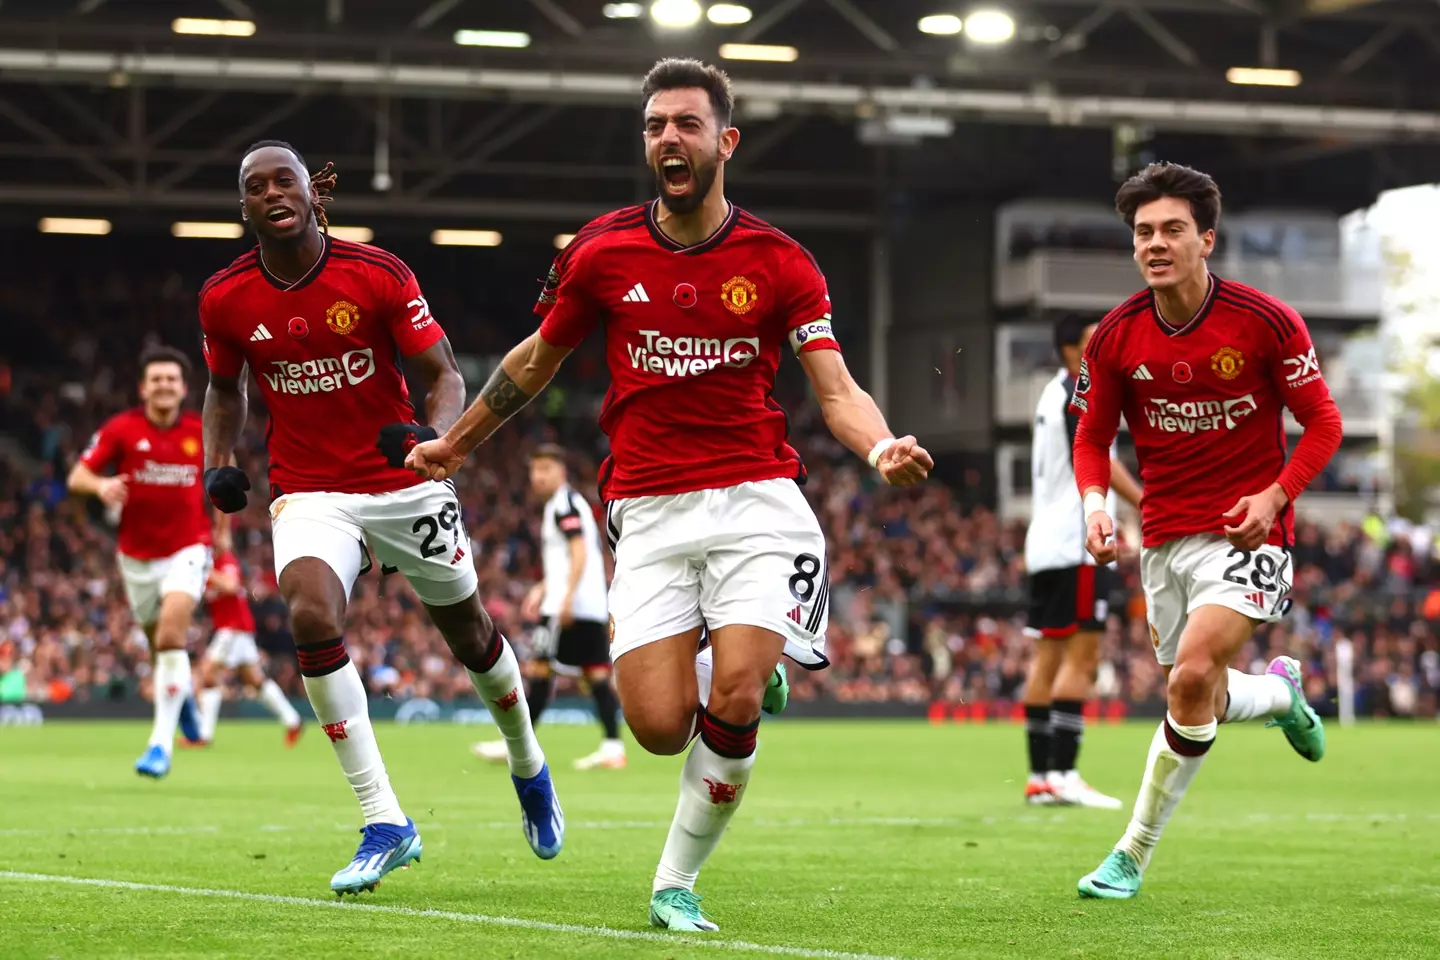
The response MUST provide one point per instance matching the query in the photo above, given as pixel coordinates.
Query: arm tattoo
(503, 395)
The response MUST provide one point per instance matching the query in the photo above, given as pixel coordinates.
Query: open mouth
(280, 216)
(1158, 265)
(677, 175)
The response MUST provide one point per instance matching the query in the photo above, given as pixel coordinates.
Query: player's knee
(313, 620)
(736, 697)
(1192, 682)
(665, 739)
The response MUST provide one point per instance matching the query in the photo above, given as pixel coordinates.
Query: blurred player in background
(325, 326)
(1203, 369)
(164, 536)
(233, 645)
(704, 510)
(571, 602)
(1069, 592)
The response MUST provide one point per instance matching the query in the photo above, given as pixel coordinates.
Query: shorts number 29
(432, 527)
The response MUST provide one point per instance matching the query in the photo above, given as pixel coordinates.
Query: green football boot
(678, 909)
(1301, 726)
(777, 691)
(1118, 878)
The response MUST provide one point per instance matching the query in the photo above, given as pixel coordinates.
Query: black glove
(396, 439)
(226, 486)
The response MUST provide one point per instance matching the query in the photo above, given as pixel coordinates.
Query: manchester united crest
(343, 317)
(739, 295)
(190, 447)
(1227, 363)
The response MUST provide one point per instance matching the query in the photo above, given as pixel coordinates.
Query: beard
(702, 178)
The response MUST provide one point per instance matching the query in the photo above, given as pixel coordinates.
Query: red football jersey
(693, 337)
(1205, 404)
(326, 354)
(230, 611)
(164, 511)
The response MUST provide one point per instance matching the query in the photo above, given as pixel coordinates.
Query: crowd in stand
(927, 586)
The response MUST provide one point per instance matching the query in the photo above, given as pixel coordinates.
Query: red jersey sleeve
(1097, 401)
(807, 307)
(411, 324)
(222, 356)
(103, 450)
(1302, 388)
(567, 308)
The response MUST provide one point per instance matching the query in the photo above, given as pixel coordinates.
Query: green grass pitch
(883, 839)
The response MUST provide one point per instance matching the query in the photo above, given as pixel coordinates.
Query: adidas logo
(794, 614)
(637, 294)
(260, 334)
(1141, 373)
(1256, 598)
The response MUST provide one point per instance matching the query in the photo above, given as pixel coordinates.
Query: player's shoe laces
(383, 847)
(1302, 726)
(190, 723)
(541, 816)
(678, 909)
(1071, 790)
(494, 751)
(610, 756)
(292, 734)
(154, 762)
(1118, 878)
(777, 691)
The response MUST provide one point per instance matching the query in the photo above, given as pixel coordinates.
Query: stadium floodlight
(758, 51)
(196, 230)
(989, 26)
(514, 39)
(675, 14)
(562, 240)
(205, 27)
(728, 14)
(941, 24)
(78, 225)
(1263, 77)
(353, 234)
(466, 238)
(623, 11)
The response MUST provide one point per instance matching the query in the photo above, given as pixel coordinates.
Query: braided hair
(322, 180)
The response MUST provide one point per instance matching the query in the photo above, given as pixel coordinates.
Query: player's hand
(113, 491)
(396, 439)
(530, 608)
(226, 486)
(434, 459)
(567, 610)
(1258, 513)
(904, 463)
(1100, 538)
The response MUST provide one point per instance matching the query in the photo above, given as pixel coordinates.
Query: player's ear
(729, 138)
(243, 214)
(1207, 242)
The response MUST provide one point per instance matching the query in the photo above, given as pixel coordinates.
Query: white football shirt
(568, 515)
(1056, 538)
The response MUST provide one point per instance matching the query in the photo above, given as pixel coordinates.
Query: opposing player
(164, 536)
(232, 648)
(704, 510)
(325, 326)
(1069, 592)
(1203, 369)
(571, 601)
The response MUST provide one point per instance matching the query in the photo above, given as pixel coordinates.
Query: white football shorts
(1185, 574)
(417, 531)
(233, 648)
(147, 582)
(749, 554)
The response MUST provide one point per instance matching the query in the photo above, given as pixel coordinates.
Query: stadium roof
(102, 103)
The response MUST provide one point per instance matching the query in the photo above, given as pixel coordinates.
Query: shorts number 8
(802, 584)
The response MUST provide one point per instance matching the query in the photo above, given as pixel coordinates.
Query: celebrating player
(1202, 368)
(233, 645)
(1069, 592)
(571, 599)
(324, 325)
(164, 535)
(704, 511)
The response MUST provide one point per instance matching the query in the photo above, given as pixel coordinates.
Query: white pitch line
(477, 918)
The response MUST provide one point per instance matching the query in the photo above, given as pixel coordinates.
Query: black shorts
(585, 643)
(1068, 600)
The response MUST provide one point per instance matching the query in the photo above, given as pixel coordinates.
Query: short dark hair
(163, 354)
(1069, 329)
(679, 73)
(1171, 180)
(549, 451)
